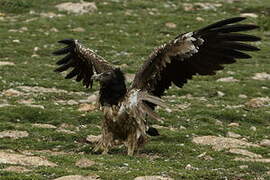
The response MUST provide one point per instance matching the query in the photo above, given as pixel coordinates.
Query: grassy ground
(125, 32)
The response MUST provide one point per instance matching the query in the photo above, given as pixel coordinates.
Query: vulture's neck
(113, 92)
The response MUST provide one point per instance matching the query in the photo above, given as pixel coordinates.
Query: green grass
(129, 39)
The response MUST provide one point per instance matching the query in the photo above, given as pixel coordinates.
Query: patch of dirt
(17, 169)
(14, 134)
(153, 178)
(6, 63)
(77, 8)
(66, 131)
(170, 25)
(12, 158)
(227, 79)
(78, 29)
(84, 163)
(233, 135)
(261, 76)
(78, 177)
(129, 77)
(258, 102)
(222, 143)
(50, 15)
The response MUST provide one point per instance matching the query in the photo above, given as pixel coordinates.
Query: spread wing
(201, 52)
(83, 62)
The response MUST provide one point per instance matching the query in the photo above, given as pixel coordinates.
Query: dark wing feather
(202, 52)
(84, 62)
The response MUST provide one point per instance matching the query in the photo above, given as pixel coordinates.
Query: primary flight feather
(126, 110)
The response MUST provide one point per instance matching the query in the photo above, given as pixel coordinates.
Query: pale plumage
(126, 110)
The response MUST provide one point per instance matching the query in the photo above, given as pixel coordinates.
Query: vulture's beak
(96, 77)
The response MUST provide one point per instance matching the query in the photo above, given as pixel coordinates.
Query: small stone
(66, 131)
(84, 163)
(258, 102)
(153, 178)
(218, 123)
(77, 8)
(243, 96)
(265, 143)
(251, 15)
(245, 153)
(6, 63)
(25, 160)
(78, 177)
(93, 139)
(14, 134)
(227, 79)
(233, 135)
(170, 25)
(46, 126)
(261, 76)
(200, 19)
(233, 125)
(86, 107)
(78, 29)
(17, 169)
(16, 41)
(12, 92)
(54, 29)
(253, 128)
(220, 94)
(190, 167)
(72, 102)
(243, 167)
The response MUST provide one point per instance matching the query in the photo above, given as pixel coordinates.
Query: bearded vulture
(126, 109)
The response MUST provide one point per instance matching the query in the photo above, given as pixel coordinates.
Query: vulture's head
(111, 77)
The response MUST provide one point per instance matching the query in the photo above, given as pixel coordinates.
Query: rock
(17, 169)
(12, 92)
(84, 163)
(36, 106)
(170, 25)
(245, 153)
(220, 94)
(227, 79)
(12, 158)
(78, 29)
(50, 15)
(233, 135)
(243, 96)
(243, 166)
(190, 167)
(252, 160)
(233, 125)
(265, 143)
(93, 139)
(258, 102)
(14, 134)
(261, 76)
(221, 143)
(46, 126)
(253, 128)
(86, 107)
(153, 178)
(6, 63)
(72, 102)
(78, 177)
(251, 15)
(77, 8)
(205, 157)
(66, 131)
(218, 123)
(200, 19)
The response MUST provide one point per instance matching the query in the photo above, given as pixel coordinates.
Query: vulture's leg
(132, 144)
